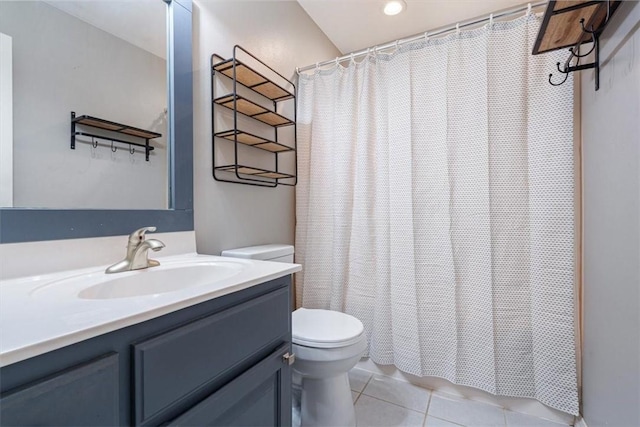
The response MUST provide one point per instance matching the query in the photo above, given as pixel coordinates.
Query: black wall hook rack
(557, 31)
(95, 122)
(574, 53)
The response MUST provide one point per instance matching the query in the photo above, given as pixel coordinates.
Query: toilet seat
(325, 328)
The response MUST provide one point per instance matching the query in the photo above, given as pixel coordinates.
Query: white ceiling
(357, 24)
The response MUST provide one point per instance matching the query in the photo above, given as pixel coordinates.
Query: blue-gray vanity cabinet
(256, 398)
(219, 362)
(182, 362)
(85, 395)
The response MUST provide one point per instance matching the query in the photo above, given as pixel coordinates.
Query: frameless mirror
(105, 59)
(53, 97)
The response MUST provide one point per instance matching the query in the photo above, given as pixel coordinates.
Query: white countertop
(32, 323)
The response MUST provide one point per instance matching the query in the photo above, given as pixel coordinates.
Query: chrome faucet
(137, 249)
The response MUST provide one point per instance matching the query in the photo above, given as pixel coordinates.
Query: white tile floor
(386, 402)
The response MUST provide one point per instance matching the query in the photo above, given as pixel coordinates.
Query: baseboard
(515, 404)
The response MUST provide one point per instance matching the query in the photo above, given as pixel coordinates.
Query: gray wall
(281, 34)
(611, 189)
(62, 64)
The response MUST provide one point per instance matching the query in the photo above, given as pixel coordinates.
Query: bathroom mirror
(20, 224)
(100, 58)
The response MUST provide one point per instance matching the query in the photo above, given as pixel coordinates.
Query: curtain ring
(337, 61)
(132, 149)
(426, 36)
(490, 21)
(351, 58)
(458, 28)
(297, 70)
(317, 66)
(114, 149)
(397, 44)
(94, 143)
(528, 9)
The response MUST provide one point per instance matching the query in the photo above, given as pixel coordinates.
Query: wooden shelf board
(115, 127)
(561, 23)
(253, 110)
(252, 140)
(250, 78)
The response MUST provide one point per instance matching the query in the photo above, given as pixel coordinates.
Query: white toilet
(327, 344)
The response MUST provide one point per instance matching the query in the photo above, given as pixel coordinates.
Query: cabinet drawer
(185, 362)
(258, 398)
(84, 395)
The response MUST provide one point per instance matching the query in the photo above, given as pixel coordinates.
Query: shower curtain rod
(438, 32)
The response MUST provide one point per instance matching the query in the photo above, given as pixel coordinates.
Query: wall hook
(114, 149)
(132, 149)
(590, 31)
(574, 52)
(566, 76)
(94, 143)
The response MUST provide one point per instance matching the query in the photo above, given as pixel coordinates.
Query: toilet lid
(325, 328)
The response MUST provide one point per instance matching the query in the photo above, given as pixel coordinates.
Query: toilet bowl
(326, 344)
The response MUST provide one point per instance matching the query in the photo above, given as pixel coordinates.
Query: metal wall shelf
(242, 74)
(108, 125)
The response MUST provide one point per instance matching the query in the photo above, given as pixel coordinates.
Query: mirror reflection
(103, 59)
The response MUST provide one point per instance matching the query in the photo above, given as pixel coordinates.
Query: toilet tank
(277, 253)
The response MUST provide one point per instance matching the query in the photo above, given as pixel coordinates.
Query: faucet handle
(138, 235)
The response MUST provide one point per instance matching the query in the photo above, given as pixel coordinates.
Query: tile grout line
(452, 422)
(429, 402)
(386, 401)
(394, 404)
(367, 383)
(446, 395)
(360, 392)
(462, 398)
(426, 413)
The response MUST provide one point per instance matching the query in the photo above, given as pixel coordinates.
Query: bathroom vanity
(222, 359)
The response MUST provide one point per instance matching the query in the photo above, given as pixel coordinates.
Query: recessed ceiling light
(394, 7)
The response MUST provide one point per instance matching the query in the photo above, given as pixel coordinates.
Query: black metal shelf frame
(248, 175)
(111, 127)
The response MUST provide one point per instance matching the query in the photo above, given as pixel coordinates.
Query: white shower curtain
(435, 204)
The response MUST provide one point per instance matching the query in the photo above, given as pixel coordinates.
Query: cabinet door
(260, 397)
(186, 364)
(85, 395)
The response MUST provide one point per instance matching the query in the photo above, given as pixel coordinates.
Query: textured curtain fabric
(435, 204)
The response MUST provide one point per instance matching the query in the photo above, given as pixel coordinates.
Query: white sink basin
(152, 282)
